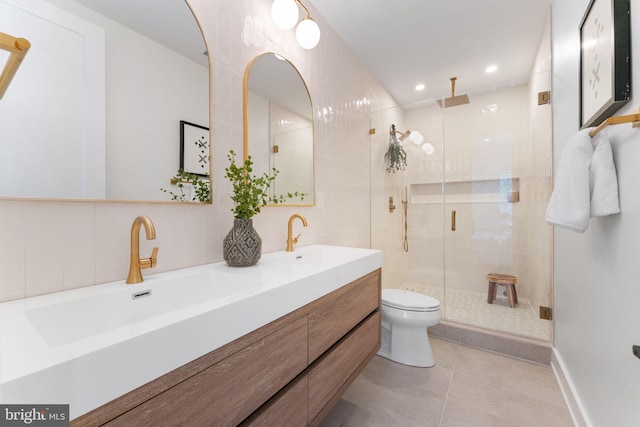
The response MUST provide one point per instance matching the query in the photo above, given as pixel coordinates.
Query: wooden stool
(506, 280)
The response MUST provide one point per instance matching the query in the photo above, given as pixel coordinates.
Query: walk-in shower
(474, 206)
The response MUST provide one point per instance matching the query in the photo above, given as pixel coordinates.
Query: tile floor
(467, 387)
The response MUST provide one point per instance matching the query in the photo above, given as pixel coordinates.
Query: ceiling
(407, 42)
(402, 42)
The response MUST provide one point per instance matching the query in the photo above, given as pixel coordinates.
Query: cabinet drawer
(287, 408)
(341, 312)
(337, 366)
(229, 391)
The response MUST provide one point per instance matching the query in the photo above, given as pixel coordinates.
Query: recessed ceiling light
(420, 87)
(491, 69)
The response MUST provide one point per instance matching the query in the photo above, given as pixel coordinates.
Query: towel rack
(17, 48)
(631, 118)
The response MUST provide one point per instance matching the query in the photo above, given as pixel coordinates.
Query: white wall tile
(13, 227)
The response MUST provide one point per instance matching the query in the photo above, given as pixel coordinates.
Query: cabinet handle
(453, 220)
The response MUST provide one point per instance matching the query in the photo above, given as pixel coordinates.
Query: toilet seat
(407, 300)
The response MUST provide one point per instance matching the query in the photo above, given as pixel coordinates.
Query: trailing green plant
(395, 157)
(201, 187)
(251, 192)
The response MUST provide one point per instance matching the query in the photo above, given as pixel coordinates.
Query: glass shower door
(494, 200)
(490, 173)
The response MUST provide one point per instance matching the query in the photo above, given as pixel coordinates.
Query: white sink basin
(59, 324)
(88, 346)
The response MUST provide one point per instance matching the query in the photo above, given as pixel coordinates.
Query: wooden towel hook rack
(631, 118)
(17, 48)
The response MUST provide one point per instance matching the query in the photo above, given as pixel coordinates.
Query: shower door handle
(453, 220)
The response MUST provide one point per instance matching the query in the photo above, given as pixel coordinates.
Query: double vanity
(212, 344)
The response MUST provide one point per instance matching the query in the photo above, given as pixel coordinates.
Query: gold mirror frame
(17, 48)
(246, 123)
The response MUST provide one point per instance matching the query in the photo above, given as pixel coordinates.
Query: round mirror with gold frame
(278, 126)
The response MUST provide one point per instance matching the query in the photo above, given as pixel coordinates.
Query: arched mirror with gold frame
(95, 110)
(278, 126)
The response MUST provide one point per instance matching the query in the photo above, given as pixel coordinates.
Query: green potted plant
(201, 186)
(243, 246)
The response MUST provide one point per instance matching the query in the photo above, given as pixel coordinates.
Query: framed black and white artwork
(195, 154)
(605, 60)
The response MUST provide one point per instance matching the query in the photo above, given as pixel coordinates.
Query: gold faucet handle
(154, 256)
(150, 262)
(295, 239)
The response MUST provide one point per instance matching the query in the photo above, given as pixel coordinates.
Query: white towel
(603, 179)
(569, 206)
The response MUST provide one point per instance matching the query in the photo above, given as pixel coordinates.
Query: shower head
(454, 100)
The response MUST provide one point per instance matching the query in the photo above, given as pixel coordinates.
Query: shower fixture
(454, 100)
(417, 138)
(405, 207)
(285, 15)
(414, 136)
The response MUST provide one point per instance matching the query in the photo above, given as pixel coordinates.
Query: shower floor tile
(471, 308)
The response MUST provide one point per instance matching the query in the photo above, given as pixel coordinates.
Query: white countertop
(88, 346)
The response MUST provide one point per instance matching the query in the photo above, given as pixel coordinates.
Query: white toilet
(405, 318)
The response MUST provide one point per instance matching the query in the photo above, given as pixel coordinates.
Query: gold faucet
(137, 264)
(293, 240)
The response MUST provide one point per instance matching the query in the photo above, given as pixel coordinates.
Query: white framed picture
(195, 154)
(605, 60)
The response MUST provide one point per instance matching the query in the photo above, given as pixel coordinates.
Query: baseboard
(576, 409)
(521, 348)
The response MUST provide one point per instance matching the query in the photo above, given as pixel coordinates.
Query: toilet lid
(400, 298)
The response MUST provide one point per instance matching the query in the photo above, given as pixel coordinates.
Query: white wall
(126, 148)
(52, 117)
(150, 88)
(258, 128)
(49, 246)
(293, 134)
(596, 289)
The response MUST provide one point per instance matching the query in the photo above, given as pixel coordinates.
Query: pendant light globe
(308, 33)
(284, 13)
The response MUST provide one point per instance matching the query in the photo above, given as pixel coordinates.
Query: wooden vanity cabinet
(290, 372)
(339, 367)
(287, 408)
(227, 392)
(341, 312)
